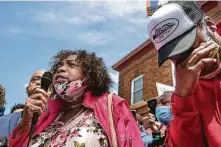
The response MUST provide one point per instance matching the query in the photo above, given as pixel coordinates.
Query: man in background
(164, 118)
(159, 121)
(163, 109)
(10, 121)
(17, 108)
(182, 33)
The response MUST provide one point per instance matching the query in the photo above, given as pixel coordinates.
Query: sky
(32, 32)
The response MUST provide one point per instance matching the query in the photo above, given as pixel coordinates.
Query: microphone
(46, 81)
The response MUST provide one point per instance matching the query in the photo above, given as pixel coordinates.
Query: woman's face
(68, 70)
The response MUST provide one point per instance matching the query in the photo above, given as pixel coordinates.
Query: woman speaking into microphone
(81, 111)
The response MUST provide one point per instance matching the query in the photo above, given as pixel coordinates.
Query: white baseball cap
(172, 28)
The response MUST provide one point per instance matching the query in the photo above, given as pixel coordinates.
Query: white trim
(161, 88)
(132, 88)
(138, 90)
(173, 74)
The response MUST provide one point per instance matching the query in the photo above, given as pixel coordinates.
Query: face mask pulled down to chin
(70, 91)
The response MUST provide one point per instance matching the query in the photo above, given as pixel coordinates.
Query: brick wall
(145, 62)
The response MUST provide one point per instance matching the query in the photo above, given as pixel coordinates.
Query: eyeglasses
(35, 78)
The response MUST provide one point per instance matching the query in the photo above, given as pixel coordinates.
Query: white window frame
(132, 87)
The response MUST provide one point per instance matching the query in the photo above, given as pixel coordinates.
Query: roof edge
(131, 54)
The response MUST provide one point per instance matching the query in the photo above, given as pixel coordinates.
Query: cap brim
(177, 46)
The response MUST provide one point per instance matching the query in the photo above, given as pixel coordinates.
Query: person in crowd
(164, 117)
(17, 108)
(182, 33)
(10, 121)
(79, 110)
(153, 131)
(163, 109)
(2, 100)
(146, 137)
(152, 126)
(35, 82)
(151, 122)
(150, 129)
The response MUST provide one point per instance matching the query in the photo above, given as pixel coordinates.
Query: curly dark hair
(17, 106)
(96, 74)
(2, 96)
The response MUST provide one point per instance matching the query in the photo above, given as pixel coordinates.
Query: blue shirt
(147, 138)
(8, 123)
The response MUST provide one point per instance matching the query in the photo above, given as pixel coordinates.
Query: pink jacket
(128, 133)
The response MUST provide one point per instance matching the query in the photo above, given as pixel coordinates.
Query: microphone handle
(35, 118)
(32, 129)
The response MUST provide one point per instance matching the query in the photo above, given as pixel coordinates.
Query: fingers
(39, 90)
(39, 99)
(202, 46)
(38, 103)
(203, 63)
(187, 61)
(28, 113)
(151, 119)
(151, 116)
(38, 96)
(202, 53)
(33, 108)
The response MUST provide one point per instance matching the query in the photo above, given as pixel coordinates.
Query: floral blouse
(81, 131)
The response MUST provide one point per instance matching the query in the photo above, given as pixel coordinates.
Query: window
(137, 89)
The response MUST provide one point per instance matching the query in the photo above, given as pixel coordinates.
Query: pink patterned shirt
(81, 131)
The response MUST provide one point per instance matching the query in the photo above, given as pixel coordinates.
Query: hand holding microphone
(36, 104)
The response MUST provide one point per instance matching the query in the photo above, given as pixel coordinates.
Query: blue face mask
(2, 110)
(164, 115)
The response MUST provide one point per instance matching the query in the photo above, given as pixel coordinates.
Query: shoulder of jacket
(117, 100)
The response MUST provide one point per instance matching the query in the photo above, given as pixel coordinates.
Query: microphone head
(46, 80)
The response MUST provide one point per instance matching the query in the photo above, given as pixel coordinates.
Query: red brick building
(139, 71)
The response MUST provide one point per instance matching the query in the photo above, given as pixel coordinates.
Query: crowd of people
(78, 109)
